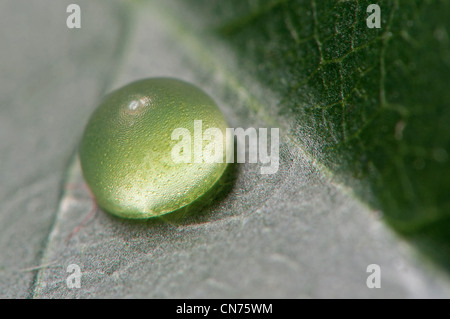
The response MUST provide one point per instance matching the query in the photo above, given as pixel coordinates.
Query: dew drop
(126, 160)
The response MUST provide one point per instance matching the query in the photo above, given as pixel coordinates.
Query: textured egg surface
(125, 152)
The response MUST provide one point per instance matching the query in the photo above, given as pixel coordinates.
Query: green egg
(126, 149)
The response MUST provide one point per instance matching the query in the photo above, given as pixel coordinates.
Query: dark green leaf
(370, 104)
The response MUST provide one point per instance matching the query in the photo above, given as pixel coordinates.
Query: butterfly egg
(128, 147)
